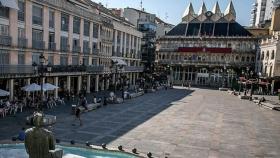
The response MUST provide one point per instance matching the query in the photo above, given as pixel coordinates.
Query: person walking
(78, 116)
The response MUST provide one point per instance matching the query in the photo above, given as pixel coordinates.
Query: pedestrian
(21, 134)
(104, 101)
(77, 116)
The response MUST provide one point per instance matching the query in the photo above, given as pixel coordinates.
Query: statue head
(38, 119)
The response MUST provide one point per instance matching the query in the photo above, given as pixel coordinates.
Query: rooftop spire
(230, 9)
(189, 10)
(203, 9)
(216, 8)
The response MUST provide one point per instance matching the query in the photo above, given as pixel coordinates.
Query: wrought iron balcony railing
(134, 68)
(52, 46)
(5, 40)
(22, 42)
(76, 49)
(95, 51)
(64, 48)
(16, 69)
(86, 50)
(38, 44)
(95, 69)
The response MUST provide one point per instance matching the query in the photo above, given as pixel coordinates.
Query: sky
(171, 11)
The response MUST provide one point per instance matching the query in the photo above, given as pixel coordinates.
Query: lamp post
(251, 93)
(40, 71)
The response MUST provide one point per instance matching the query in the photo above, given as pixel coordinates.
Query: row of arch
(267, 55)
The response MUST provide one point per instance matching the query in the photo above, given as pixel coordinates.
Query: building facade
(71, 34)
(262, 11)
(207, 49)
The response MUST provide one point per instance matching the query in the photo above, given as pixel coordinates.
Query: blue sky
(175, 8)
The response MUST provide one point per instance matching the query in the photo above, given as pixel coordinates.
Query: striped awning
(9, 3)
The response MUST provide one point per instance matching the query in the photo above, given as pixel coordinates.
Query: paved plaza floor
(176, 123)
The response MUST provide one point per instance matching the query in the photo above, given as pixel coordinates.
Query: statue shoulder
(29, 130)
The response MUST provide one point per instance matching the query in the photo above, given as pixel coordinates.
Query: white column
(102, 83)
(184, 75)
(13, 26)
(69, 83)
(96, 83)
(134, 79)
(88, 84)
(56, 84)
(79, 83)
(11, 88)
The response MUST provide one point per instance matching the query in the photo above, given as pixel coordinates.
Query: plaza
(176, 123)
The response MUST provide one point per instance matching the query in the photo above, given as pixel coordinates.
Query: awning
(119, 61)
(10, 4)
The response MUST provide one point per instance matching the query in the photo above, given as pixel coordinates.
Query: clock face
(209, 14)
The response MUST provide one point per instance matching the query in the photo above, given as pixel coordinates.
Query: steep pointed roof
(230, 9)
(202, 9)
(216, 8)
(189, 10)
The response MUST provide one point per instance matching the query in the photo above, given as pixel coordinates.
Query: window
(63, 60)
(262, 56)
(64, 22)
(21, 33)
(243, 59)
(51, 37)
(64, 43)
(51, 59)
(94, 45)
(37, 15)
(4, 30)
(272, 55)
(35, 58)
(248, 59)
(75, 60)
(252, 59)
(95, 31)
(21, 11)
(4, 57)
(76, 42)
(51, 19)
(85, 61)
(86, 27)
(76, 25)
(94, 62)
(21, 58)
(4, 12)
(37, 35)
(267, 55)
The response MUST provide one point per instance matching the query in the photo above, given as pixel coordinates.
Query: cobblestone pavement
(176, 123)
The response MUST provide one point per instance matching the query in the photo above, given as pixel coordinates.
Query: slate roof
(209, 29)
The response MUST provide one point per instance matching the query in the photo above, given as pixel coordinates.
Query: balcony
(21, 16)
(95, 69)
(52, 46)
(22, 42)
(64, 48)
(203, 63)
(16, 69)
(86, 50)
(76, 49)
(134, 68)
(5, 40)
(95, 51)
(68, 68)
(38, 44)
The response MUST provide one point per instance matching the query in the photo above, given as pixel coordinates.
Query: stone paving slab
(176, 123)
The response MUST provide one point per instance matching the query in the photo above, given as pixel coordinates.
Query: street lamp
(252, 82)
(41, 72)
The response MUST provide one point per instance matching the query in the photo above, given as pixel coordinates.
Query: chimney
(275, 22)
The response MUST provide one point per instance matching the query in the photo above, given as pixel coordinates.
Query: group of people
(10, 107)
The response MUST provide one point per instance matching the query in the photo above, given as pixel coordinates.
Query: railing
(5, 40)
(95, 51)
(86, 50)
(65, 48)
(16, 69)
(22, 42)
(195, 62)
(38, 44)
(134, 68)
(52, 46)
(68, 68)
(95, 69)
(76, 49)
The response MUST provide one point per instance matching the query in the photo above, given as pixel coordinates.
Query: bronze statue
(39, 142)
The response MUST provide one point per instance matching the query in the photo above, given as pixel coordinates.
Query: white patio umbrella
(4, 93)
(32, 88)
(49, 87)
